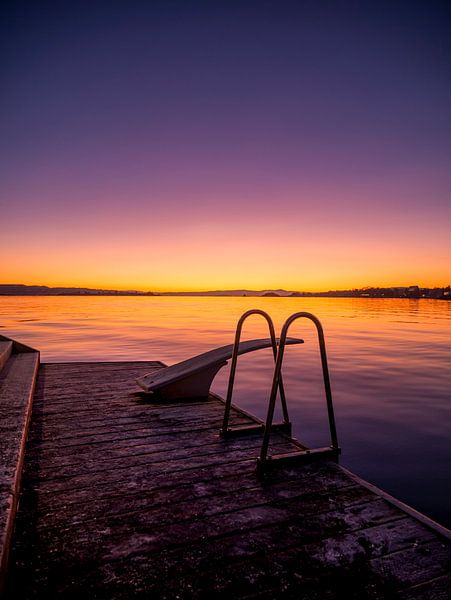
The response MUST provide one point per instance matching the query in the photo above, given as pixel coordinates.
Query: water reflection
(389, 362)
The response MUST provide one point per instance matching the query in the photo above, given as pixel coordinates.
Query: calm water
(390, 363)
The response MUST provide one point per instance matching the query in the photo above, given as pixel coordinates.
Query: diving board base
(196, 385)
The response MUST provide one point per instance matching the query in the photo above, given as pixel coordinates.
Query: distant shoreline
(411, 292)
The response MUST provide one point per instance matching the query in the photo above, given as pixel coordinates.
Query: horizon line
(219, 290)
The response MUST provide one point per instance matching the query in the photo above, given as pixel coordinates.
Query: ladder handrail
(278, 375)
(239, 327)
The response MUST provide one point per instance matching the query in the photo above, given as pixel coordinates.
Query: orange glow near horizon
(192, 253)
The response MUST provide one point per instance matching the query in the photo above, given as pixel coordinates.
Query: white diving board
(192, 378)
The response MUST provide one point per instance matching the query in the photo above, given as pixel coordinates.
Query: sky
(216, 145)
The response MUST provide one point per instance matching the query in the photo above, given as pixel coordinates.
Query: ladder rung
(257, 428)
(242, 430)
(296, 458)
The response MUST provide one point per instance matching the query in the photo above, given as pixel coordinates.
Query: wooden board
(211, 360)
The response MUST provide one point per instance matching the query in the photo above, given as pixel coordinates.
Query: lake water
(389, 360)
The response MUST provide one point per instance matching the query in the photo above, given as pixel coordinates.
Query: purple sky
(143, 132)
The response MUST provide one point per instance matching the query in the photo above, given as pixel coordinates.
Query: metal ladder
(285, 426)
(265, 462)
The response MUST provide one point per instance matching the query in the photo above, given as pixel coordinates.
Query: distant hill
(43, 290)
(412, 292)
(251, 293)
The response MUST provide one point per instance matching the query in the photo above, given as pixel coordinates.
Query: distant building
(413, 292)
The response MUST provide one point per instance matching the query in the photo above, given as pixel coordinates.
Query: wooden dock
(127, 497)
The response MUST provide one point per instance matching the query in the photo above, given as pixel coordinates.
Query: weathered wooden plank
(137, 480)
(176, 504)
(193, 428)
(105, 405)
(53, 379)
(60, 368)
(6, 348)
(129, 413)
(97, 411)
(105, 400)
(436, 589)
(90, 398)
(201, 496)
(59, 372)
(117, 444)
(143, 475)
(167, 527)
(87, 456)
(416, 565)
(175, 564)
(17, 380)
(149, 420)
(149, 455)
(129, 417)
(62, 453)
(153, 465)
(126, 405)
(332, 564)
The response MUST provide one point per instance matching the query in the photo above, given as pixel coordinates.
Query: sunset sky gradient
(188, 145)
